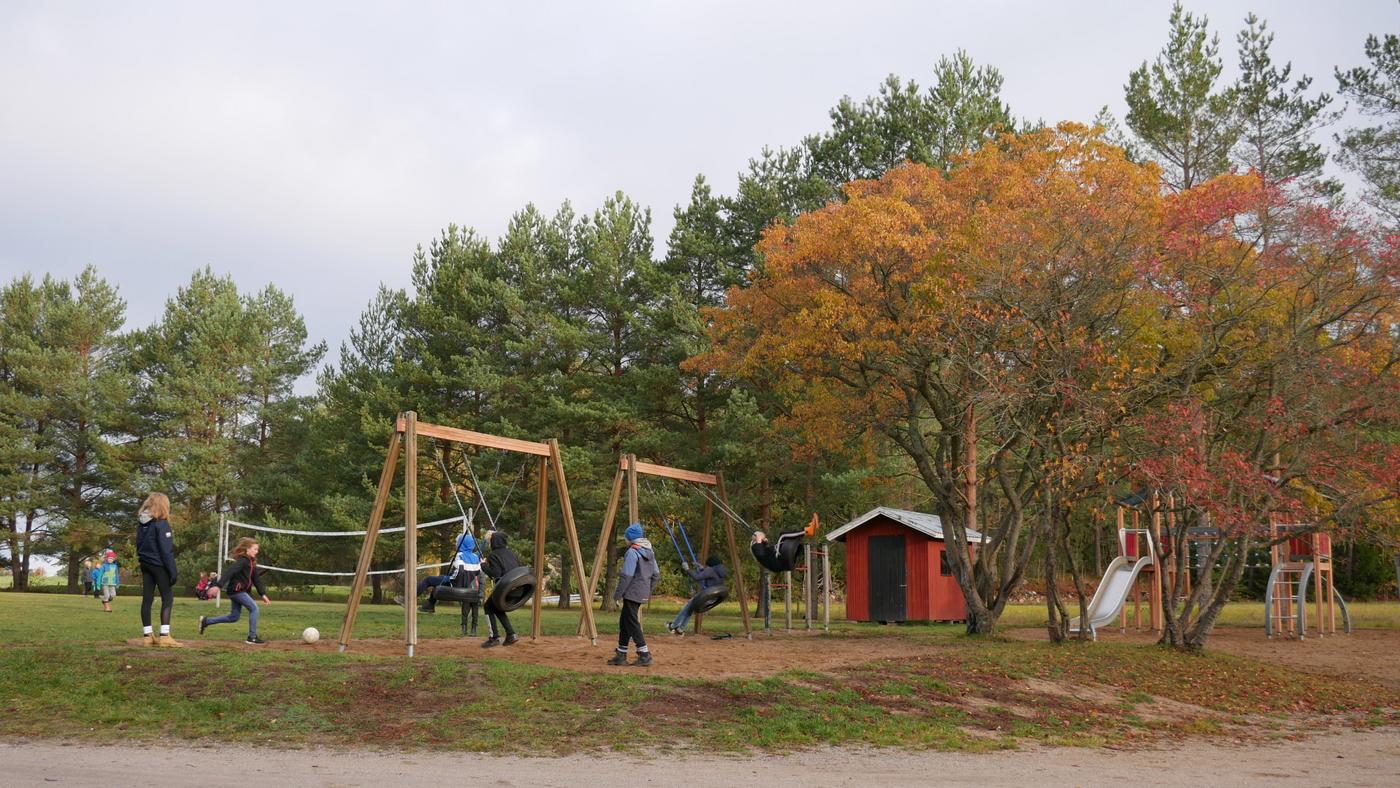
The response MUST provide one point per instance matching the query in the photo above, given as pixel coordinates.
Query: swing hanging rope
(721, 505)
(481, 495)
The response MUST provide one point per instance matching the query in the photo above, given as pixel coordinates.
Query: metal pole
(223, 551)
(787, 601)
(807, 590)
(826, 588)
(765, 599)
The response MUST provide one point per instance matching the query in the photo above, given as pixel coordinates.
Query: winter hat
(633, 532)
(111, 553)
(713, 560)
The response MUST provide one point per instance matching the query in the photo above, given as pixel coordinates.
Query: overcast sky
(313, 145)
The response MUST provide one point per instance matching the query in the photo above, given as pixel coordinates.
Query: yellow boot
(149, 639)
(167, 641)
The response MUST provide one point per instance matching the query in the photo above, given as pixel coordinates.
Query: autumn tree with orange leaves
(1043, 321)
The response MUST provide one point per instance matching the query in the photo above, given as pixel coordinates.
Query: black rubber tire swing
(514, 589)
(470, 596)
(706, 600)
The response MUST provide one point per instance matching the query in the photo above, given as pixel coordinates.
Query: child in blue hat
(635, 586)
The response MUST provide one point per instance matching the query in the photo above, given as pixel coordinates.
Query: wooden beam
(666, 471)
(604, 543)
(633, 510)
(478, 439)
(541, 523)
(566, 510)
(735, 567)
(410, 524)
(376, 516)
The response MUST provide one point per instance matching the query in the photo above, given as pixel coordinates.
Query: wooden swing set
(629, 468)
(405, 438)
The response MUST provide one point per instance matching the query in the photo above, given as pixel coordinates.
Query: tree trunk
(74, 572)
(1057, 620)
(376, 585)
(564, 567)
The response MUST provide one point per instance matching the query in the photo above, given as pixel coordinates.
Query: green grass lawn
(69, 673)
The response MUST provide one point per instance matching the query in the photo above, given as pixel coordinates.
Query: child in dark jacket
(708, 576)
(635, 586)
(500, 560)
(238, 580)
(155, 551)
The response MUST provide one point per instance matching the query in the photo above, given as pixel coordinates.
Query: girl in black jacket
(155, 551)
(502, 559)
(241, 578)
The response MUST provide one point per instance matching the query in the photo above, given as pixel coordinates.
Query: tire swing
(710, 598)
(468, 596)
(706, 599)
(514, 589)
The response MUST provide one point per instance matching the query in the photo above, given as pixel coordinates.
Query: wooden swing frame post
(404, 440)
(628, 470)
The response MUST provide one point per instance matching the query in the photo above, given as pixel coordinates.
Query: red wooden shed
(896, 569)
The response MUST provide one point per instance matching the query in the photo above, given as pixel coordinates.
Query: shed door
(887, 592)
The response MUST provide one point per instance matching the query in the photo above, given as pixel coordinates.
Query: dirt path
(1370, 758)
(1369, 653)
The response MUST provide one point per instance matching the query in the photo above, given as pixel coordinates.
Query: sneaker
(490, 642)
(512, 639)
(426, 608)
(618, 658)
(811, 529)
(398, 600)
(643, 659)
(203, 624)
(254, 640)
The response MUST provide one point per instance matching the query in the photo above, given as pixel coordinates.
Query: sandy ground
(684, 657)
(1369, 653)
(1353, 759)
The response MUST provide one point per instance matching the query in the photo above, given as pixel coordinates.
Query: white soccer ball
(310, 634)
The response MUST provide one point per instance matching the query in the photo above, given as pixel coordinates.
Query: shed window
(943, 568)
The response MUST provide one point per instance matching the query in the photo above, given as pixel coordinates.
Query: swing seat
(467, 596)
(707, 600)
(514, 589)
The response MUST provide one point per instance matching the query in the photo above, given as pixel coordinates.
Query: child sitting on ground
(782, 556)
(207, 588)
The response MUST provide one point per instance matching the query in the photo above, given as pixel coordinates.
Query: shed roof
(929, 525)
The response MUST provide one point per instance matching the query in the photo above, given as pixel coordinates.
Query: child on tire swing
(500, 560)
(782, 555)
(635, 586)
(711, 574)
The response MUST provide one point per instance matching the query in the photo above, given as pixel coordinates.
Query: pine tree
(1373, 152)
(1278, 120)
(1177, 111)
(91, 470)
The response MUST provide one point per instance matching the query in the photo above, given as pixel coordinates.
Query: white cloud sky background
(313, 146)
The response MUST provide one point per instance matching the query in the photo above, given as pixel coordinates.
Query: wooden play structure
(1299, 554)
(815, 574)
(711, 487)
(1139, 560)
(405, 440)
